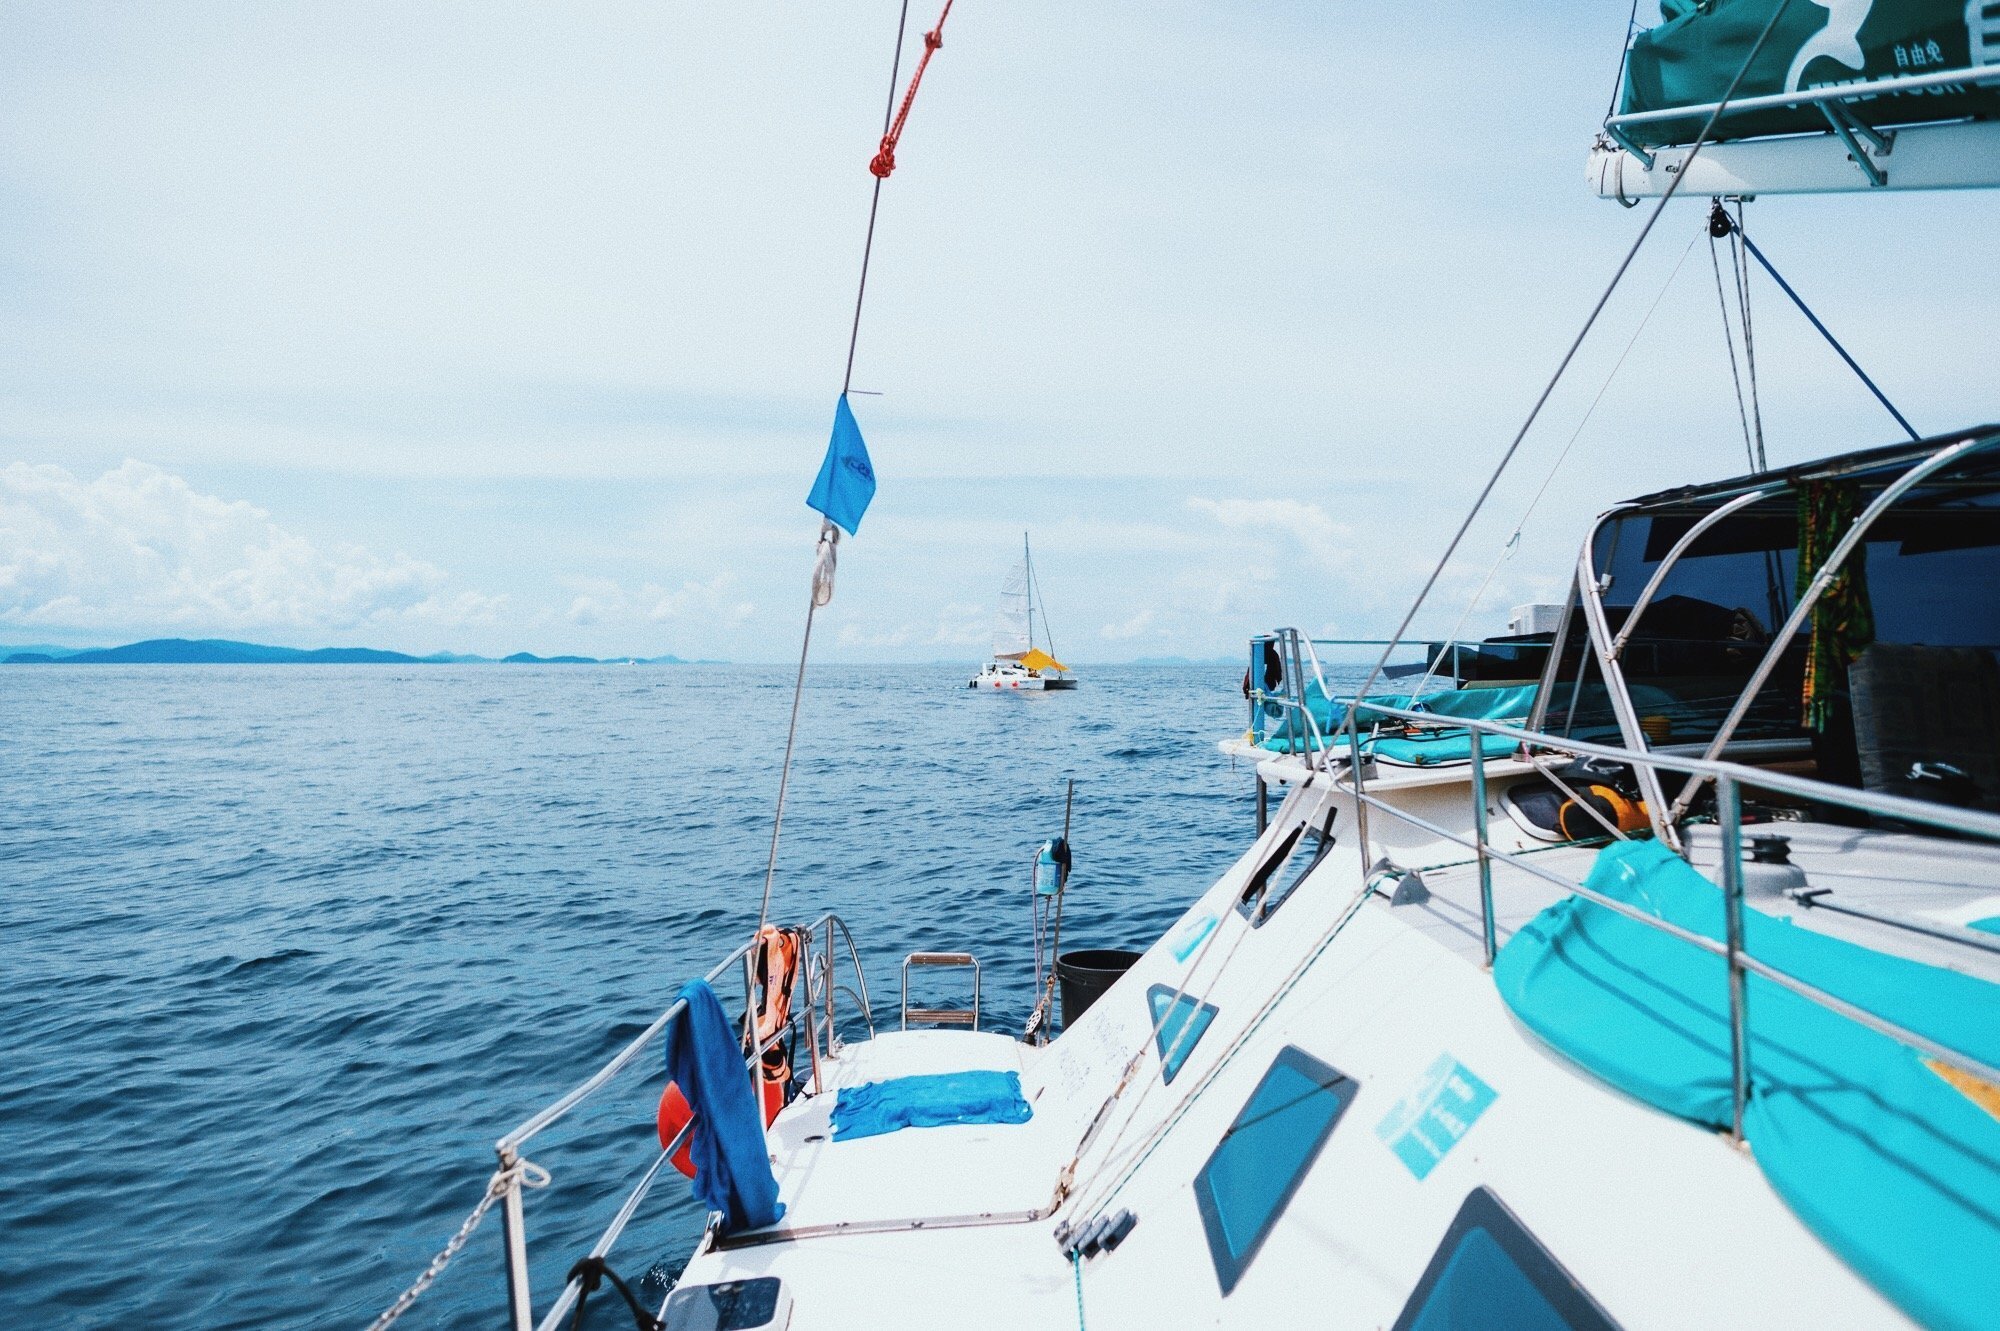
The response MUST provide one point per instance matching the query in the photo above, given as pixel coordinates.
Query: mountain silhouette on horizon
(222, 651)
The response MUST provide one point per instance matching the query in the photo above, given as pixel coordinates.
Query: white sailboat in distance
(1018, 663)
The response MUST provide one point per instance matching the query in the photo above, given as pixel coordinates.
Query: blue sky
(494, 326)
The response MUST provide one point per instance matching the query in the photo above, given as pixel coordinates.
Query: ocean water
(284, 949)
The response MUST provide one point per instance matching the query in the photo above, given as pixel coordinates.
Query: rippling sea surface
(286, 948)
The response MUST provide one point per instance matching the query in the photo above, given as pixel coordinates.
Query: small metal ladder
(941, 1016)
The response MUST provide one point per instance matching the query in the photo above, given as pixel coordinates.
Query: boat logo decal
(1430, 1118)
(1189, 936)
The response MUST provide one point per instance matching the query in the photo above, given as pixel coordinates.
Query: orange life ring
(674, 1115)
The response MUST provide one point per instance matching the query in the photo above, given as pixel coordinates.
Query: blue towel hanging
(732, 1170)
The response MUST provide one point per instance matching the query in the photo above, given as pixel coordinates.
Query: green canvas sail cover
(1690, 59)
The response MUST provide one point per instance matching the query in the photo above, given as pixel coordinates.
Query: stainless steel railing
(812, 1001)
(1729, 779)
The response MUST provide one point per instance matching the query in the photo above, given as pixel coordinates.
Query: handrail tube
(1729, 805)
(567, 1299)
(1823, 578)
(1839, 92)
(619, 1062)
(1552, 668)
(624, 1057)
(1598, 628)
(1673, 556)
(1486, 936)
(1834, 1003)
(508, 1148)
(860, 976)
(514, 1242)
(1969, 821)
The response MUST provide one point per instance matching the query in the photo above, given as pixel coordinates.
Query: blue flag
(846, 479)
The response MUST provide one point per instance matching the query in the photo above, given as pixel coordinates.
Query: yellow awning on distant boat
(1037, 659)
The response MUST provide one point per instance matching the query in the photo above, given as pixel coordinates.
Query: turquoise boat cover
(1507, 706)
(1896, 1169)
(1691, 58)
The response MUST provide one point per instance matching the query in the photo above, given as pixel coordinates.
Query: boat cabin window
(1899, 664)
(1264, 1156)
(1491, 1272)
(1179, 1022)
(1295, 856)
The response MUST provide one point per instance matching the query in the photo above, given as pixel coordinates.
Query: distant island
(220, 651)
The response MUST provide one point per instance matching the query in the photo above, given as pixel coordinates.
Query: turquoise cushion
(1893, 1167)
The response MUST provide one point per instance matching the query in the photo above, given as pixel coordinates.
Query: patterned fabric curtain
(1843, 623)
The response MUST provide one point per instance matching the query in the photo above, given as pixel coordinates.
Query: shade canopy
(1037, 659)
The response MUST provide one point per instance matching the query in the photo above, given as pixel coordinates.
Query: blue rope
(1832, 341)
(1076, 1265)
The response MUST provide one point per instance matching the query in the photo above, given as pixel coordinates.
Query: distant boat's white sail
(1010, 633)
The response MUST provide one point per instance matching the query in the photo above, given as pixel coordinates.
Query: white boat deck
(933, 1227)
(913, 1175)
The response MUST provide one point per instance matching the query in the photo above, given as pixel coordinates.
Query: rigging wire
(1513, 541)
(1826, 333)
(829, 535)
(1506, 458)
(1729, 343)
(1749, 336)
(1562, 366)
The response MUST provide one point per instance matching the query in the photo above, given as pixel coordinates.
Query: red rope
(885, 160)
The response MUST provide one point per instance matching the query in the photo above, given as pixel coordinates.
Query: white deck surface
(1667, 1224)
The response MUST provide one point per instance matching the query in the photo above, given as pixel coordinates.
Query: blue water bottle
(1048, 872)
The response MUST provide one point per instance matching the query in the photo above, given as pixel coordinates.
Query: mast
(1028, 574)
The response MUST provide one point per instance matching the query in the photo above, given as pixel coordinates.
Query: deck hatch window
(1490, 1271)
(1296, 855)
(1173, 1014)
(1263, 1157)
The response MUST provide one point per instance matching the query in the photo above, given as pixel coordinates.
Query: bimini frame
(1608, 649)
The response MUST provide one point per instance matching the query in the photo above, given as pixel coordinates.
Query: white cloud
(140, 549)
(1328, 543)
(959, 625)
(707, 601)
(1130, 628)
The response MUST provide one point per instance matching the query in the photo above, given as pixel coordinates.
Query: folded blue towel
(929, 1102)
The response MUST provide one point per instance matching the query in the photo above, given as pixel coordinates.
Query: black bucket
(1084, 976)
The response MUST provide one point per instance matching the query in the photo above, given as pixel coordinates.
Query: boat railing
(1324, 753)
(813, 1006)
(1441, 666)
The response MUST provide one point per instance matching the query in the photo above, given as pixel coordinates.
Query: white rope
(523, 1173)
